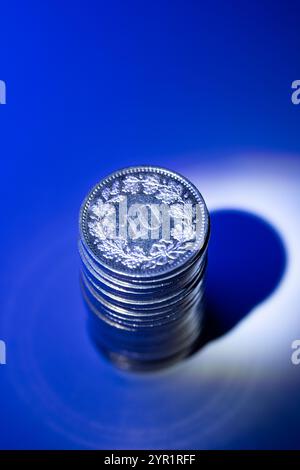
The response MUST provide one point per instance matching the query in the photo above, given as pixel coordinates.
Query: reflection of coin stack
(143, 243)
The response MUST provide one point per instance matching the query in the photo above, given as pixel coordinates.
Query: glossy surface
(200, 87)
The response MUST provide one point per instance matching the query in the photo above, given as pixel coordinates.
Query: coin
(143, 242)
(109, 213)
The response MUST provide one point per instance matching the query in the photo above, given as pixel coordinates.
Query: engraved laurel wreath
(102, 228)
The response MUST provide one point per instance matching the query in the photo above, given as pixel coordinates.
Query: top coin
(144, 222)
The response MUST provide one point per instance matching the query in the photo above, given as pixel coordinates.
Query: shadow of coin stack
(144, 296)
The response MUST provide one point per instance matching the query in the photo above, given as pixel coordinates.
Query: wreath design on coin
(163, 251)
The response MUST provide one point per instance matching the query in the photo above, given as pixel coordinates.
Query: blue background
(93, 86)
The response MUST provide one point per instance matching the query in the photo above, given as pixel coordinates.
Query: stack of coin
(143, 242)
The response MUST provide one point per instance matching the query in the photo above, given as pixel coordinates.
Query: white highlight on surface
(2, 352)
(268, 187)
(2, 92)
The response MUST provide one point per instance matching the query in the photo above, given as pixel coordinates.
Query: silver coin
(147, 301)
(144, 338)
(143, 245)
(137, 286)
(142, 317)
(130, 223)
(141, 343)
